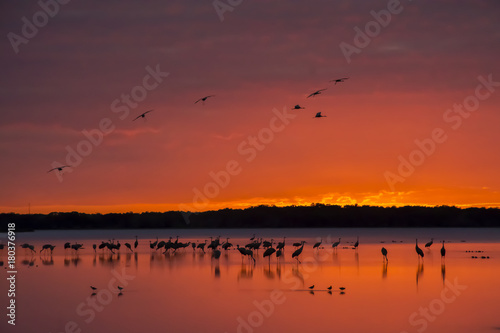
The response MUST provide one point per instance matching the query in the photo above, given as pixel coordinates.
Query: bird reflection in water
(443, 272)
(47, 260)
(384, 269)
(217, 270)
(246, 272)
(296, 272)
(420, 271)
(269, 273)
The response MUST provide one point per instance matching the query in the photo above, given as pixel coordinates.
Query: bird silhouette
(136, 243)
(203, 99)
(384, 253)
(281, 245)
(94, 246)
(419, 250)
(318, 244)
(93, 288)
(334, 245)
(60, 168)
(298, 252)
(329, 288)
(142, 115)
(357, 242)
(443, 251)
(339, 80)
(428, 244)
(298, 107)
(311, 287)
(129, 247)
(318, 115)
(268, 252)
(317, 92)
(120, 288)
(216, 254)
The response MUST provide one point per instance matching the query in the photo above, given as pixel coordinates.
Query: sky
(415, 123)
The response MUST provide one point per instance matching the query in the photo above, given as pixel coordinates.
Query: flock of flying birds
(203, 100)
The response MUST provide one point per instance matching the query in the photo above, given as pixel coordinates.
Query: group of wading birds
(246, 251)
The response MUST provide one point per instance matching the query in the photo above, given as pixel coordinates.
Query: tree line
(313, 216)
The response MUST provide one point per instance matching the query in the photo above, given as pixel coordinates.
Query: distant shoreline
(314, 216)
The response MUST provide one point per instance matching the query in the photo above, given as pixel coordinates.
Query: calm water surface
(192, 292)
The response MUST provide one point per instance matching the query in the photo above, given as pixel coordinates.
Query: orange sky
(264, 58)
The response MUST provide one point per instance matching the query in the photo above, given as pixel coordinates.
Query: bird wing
(137, 117)
(147, 112)
(51, 170)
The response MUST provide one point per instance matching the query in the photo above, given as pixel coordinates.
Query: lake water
(190, 291)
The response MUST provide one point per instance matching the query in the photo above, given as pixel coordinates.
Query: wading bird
(318, 115)
(419, 250)
(203, 99)
(298, 107)
(202, 246)
(317, 92)
(136, 243)
(142, 115)
(216, 254)
(334, 245)
(93, 288)
(318, 244)
(428, 244)
(339, 80)
(59, 168)
(268, 252)
(311, 287)
(94, 246)
(129, 247)
(329, 288)
(384, 253)
(357, 243)
(281, 245)
(298, 252)
(443, 251)
(48, 247)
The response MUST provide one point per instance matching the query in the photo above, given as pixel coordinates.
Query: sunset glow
(416, 123)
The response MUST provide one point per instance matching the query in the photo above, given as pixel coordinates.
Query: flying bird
(59, 168)
(203, 99)
(142, 115)
(317, 92)
(339, 80)
(298, 107)
(318, 115)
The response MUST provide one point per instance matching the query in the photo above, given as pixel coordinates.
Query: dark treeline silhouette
(314, 216)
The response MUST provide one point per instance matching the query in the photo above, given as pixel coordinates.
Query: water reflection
(420, 271)
(246, 272)
(443, 272)
(385, 263)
